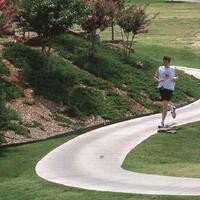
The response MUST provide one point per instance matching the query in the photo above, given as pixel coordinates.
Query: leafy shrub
(3, 69)
(48, 18)
(85, 102)
(11, 90)
(6, 114)
(22, 56)
(19, 129)
(2, 139)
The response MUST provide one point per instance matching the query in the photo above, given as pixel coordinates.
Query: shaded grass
(19, 181)
(168, 154)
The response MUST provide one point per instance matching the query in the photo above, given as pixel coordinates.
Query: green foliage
(7, 13)
(4, 118)
(133, 20)
(116, 107)
(2, 139)
(89, 101)
(119, 103)
(3, 69)
(6, 114)
(60, 77)
(22, 56)
(69, 45)
(34, 124)
(11, 90)
(67, 122)
(74, 86)
(48, 17)
(19, 129)
(136, 79)
(97, 14)
(86, 102)
(7, 92)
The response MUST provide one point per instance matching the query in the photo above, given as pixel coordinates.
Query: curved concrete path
(93, 160)
(187, 1)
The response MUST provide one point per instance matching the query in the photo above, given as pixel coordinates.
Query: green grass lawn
(172, 33)
(168, 154)
(18, 180)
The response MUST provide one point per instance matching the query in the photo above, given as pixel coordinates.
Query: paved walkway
(190, 1)
(93, 160)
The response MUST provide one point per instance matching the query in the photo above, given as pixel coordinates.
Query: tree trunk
(112, 26)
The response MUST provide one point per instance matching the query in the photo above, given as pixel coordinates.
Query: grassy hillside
(8, 91)
(98, 74)
(110, 65)
(104, 85)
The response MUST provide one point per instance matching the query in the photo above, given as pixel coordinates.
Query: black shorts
(165, 94)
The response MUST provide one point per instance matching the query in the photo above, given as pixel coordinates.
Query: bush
(54, 82)
(4, 118)
(22, 56)
(85, 102)
(2, 139)
(48, 18)
(6, 114)
(3, 69)
(19, 129)
(11, 90)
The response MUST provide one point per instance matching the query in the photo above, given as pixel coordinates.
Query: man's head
(167, 60)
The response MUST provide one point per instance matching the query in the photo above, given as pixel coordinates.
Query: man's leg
(165, 109)
(172, 108)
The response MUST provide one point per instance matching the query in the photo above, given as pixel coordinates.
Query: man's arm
(176, 78)
(157, 78)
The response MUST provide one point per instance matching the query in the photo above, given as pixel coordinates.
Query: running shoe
(162, 125)
(173, 112)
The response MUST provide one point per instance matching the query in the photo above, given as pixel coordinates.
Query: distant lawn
(168, 154)
(181, 56)
(18, 180)
(172, 33)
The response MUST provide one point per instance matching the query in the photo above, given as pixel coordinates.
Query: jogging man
(166, 78)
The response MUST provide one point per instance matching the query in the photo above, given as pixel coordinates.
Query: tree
(133, 20)
(7, 12)
(48, 18)
(119, 5)
(4, 118)
(97, 15)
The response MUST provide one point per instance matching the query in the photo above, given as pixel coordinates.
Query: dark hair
(167, 58)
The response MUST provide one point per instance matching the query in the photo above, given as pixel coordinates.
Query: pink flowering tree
(133, 20)
(7, 13)
(98, 15)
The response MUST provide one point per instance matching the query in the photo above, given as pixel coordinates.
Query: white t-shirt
(167, 73)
